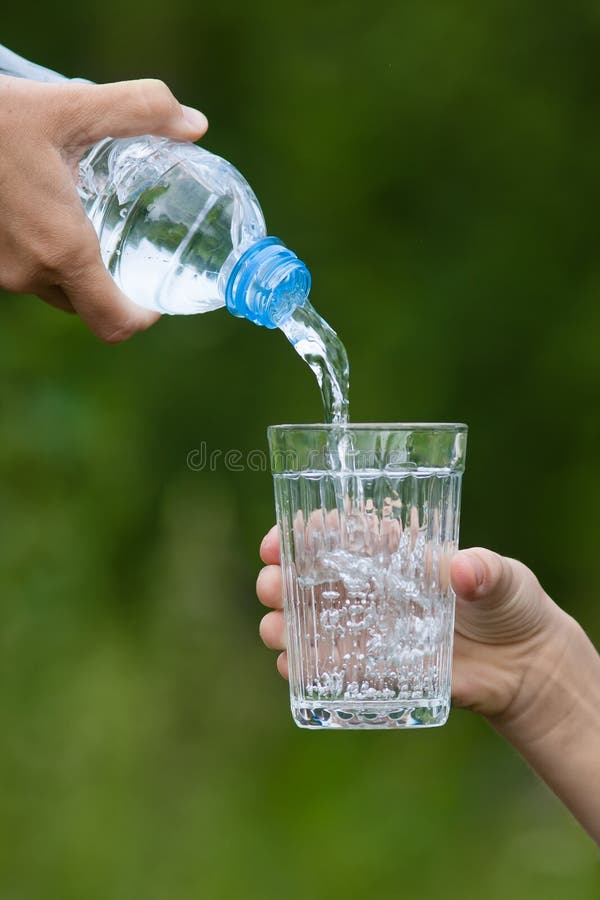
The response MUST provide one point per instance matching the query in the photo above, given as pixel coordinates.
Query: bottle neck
(267, 283)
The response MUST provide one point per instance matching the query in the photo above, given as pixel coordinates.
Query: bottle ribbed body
(172, 220)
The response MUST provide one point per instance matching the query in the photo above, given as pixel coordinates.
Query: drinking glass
(368, 519)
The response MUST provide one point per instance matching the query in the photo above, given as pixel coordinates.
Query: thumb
(499, 600)
(90, 291)
(106, 310)
(90, 112)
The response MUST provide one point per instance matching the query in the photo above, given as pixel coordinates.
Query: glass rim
(371, 426)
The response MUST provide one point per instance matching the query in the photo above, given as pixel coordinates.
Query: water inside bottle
(320, 347)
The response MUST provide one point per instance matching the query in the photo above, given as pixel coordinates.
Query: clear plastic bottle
(180, 229)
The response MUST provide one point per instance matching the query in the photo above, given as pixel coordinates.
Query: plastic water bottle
(180, 229)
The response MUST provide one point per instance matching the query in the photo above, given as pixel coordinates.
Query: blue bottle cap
(267, 283)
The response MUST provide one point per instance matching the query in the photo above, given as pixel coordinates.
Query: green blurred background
(437, 166)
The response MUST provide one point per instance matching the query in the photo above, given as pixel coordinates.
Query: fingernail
(195, 118)
(478, 569)
(265, 540)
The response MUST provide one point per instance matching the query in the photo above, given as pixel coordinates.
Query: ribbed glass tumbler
(368, 517)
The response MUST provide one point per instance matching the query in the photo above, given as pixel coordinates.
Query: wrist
(554, 722)
(556, 670)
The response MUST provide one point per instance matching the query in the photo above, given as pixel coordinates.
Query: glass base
(373, 714)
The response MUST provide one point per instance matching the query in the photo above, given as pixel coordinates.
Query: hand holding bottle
(48, 246)
(519, 660)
